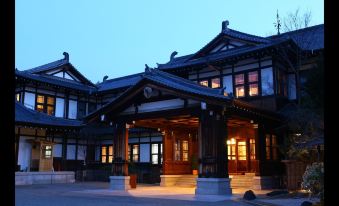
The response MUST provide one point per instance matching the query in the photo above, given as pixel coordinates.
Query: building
(219, 105)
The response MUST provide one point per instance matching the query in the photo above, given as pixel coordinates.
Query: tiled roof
(48, 66)
(311, 38)
(182, 84)
(25, 115)
(117, 83)
(308, 38)
(58, 81)
(186, 61)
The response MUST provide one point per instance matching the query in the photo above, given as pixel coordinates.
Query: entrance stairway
(242, 181)
(187, 181)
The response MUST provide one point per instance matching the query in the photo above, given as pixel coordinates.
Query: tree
(295, 20)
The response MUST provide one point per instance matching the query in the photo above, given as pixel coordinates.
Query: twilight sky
(118, 37)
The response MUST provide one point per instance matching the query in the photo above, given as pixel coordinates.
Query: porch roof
(183, 86)
(26, 116)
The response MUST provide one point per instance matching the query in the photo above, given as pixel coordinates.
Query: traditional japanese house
(218, 105)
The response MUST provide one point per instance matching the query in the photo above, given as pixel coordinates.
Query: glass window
(81, 109)
(40, 108)
(184, 150)
(47, 151)
(252, 149)
(17, 97)
(253, 90)
(239, 79)
(215, 83)
(106, 154)
(40, 99)
(135, 153)
(155, 153)
(103, 154)
(240, 91)
(267, 82)
(242, 150)
(204, 83)
(177, 150)
(50, 100)
(129, 152)
(231, 149)
(253, 76)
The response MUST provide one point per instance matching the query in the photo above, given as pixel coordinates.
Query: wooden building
(219, 105)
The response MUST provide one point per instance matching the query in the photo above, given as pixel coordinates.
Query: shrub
(313, 179)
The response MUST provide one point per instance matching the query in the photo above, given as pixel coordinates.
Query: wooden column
(212, 144)
(261, 148)
(64, 154)
(120, 150)
(167, 151)
(17, 140)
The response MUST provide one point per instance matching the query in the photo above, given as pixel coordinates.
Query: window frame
(247, 83)
(45, 104)
(107, 155)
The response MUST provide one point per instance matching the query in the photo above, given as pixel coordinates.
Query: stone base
(29, 178)
(263, 182)
(169, 180)
(119, 182)
(213, 186)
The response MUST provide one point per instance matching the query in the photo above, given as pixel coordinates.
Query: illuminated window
(204, 83)
(215, 83)
(177, 150)
(268, 146)
(129, 152)
(253, 83)
(231, 149)
(253, 90)
(239, 85)
(155, 153)
(242, 150)
(135, 153)
(239, 79)
(45, 104)
(181, 150)
(17, 97)
(106, 154)
(47, 151)
(184, 150)
(252, 149)
(240, 91)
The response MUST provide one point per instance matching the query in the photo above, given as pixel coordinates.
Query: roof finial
(277, 24)
(173, 54)
(66, 56)
(147, 68)
(225, 25)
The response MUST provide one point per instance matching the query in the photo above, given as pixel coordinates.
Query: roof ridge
(123, 77)
(296, 31)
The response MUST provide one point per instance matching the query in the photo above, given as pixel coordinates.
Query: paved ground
(87, 194)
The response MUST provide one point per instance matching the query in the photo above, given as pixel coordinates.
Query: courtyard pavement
(98, 193)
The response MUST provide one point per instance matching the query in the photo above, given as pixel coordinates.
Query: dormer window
(215, 82)
(45, 104)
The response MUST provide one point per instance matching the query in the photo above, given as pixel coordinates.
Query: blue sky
(118, 37)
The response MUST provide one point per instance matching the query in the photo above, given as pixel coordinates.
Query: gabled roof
(26, 116)
(228, 54)
(176, 84)
(117, 83)
(57, 81)
(57, 64)
(310, 38)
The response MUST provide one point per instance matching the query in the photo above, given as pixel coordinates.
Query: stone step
(187, 181)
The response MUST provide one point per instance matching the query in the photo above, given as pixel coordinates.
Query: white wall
(291, 87)
(144, 152)
(29, 100)
(72, 109)
(59, 107)
(25, 153)
(267, 81)
(57, 150)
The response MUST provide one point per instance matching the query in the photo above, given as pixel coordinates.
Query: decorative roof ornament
(277, 24)
(173, 54)
(147, 69)
(224, 26)
(66, 56)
